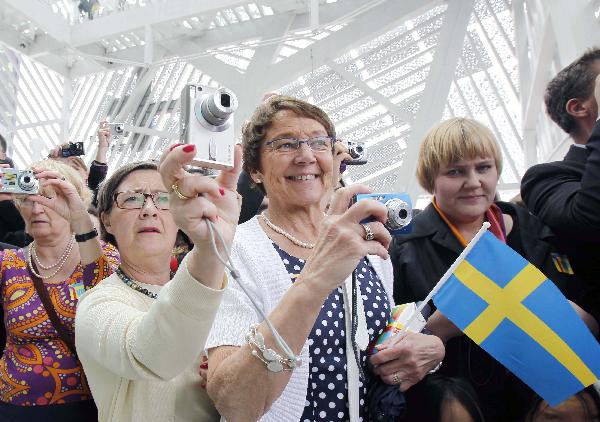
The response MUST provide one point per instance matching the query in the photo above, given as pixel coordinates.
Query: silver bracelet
(437, 368)
(273, 360)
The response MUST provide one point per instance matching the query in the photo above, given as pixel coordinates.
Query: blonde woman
(41, 377)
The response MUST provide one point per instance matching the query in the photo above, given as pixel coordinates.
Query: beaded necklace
(134, 284)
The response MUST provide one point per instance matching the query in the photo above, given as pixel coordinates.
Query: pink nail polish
(222, 191)
(189, 148)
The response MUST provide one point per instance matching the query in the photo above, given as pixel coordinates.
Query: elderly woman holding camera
(41, 377)
(296, 263)
(460, 164)
(141, 332)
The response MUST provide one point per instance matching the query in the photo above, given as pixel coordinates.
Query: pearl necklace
(285, 234)
(58, 261)
(60, 264)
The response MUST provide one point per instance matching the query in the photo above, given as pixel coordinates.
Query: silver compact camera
(116, 129)
(358, 152)
(206, 120)
(399, 208)
(19, 182)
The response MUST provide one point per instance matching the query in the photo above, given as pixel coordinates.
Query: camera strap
(42, 292)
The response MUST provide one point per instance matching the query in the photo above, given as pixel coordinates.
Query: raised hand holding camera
(343, 240)
(61, 196)
(399, 210)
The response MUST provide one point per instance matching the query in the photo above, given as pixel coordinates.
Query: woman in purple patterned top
(41, 378)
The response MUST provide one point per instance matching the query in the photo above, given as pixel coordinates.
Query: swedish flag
(508, 307)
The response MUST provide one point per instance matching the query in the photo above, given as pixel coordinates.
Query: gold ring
(369, 235)
(175, 188)
(396, 379)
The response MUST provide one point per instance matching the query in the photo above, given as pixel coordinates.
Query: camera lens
(225, 100)
(216, 108)
(26, 182)
(399, 213)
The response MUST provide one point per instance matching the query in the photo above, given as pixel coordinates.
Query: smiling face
(298, 178)
(145, 233)
(465, 189)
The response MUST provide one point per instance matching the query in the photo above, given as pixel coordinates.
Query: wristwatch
(86, 236)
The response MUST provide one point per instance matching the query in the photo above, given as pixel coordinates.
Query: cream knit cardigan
(135, 350)
(264, 273)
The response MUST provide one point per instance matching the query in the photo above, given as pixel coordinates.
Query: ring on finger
(396, 379)
(369, 235)
(180, 195)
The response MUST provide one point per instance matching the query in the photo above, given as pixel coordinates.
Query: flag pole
(444, 278)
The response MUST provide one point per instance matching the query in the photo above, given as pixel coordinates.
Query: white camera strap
(362, 341)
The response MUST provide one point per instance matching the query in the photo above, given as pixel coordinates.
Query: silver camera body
(116, 129)
(19, 182)
(358, 152)
(206, 120)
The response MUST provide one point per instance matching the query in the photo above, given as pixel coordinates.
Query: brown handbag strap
(42, 292)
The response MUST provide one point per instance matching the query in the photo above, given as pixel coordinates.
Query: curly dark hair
(254, 129)
(574, 81)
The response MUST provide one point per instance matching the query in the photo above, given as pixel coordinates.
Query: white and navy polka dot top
(326, 399)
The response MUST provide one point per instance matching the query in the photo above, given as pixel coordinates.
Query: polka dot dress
(326, 399)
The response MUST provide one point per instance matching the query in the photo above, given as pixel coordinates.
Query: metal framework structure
(384, 70)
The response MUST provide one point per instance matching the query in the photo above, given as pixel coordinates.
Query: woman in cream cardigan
(140, 333)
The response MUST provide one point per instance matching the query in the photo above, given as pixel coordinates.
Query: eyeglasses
(289, 144)
(136, 200)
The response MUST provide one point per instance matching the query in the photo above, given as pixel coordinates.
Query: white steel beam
(386, 15)
(154, 13)
(42, 16)
(373, 93)
(437, 87)
(534, 98)
(138, 93)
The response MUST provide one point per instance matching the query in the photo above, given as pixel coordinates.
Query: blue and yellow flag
(509, 308)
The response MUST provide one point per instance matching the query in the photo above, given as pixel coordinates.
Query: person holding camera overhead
(70, 154)
(141, 332)
(294, 261)
(41, 377)
(460, 164)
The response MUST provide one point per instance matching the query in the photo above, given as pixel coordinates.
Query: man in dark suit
(566, 194)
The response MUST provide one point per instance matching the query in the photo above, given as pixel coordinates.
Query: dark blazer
(12, 226)
(565, 195)
(421, 258)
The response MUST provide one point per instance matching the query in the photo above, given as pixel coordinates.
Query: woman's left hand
(408, 360)
(63, 199)
(212, 199)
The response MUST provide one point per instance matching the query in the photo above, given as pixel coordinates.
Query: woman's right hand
(212, 199)
(341, 243)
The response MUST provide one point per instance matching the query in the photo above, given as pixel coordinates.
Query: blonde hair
(454, 140)
(70, 175)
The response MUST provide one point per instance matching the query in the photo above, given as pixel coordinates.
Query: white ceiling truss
(384, 70)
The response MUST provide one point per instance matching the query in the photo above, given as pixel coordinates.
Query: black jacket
(12, 226)
(565, 195)
(421, 258)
